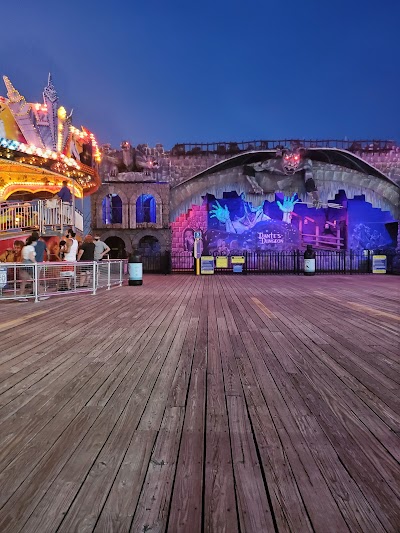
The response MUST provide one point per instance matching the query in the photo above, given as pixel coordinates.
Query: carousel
(40, 149)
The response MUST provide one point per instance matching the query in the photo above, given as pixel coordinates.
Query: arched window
(112, 209)
(145, 209)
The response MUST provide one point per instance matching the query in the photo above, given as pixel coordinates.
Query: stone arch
(149, 245)
(151, 233)
(117, 247)
(159, 206)
(111, 189)
(113, 233)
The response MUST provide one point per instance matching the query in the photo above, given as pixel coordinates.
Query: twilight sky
(175, 71)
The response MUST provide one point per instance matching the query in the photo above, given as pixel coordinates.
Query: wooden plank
(96, 466)
(286, 389)
(219, 499)
(289, 511)
(87, 448)
(187, 497)
(153, 506)
(252, 499)
(122, 496)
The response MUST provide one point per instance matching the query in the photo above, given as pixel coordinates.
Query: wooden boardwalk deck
(218, 404)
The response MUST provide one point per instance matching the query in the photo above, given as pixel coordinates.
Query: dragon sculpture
(129, 159)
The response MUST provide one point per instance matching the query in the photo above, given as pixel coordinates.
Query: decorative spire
(12, 93)
(50, 91)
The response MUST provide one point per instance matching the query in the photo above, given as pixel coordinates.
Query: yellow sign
(221, 261)
(237, 259)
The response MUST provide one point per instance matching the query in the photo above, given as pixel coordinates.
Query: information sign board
(237, 259)
(379, 264)
(221, 261)
(207, 264)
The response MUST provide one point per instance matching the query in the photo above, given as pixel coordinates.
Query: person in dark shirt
(64, 193)
(40, 247)
(86, 253)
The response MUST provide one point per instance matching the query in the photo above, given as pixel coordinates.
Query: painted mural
(234, 225)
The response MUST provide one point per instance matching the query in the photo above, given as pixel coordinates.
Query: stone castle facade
(160, 232)
(130, 186)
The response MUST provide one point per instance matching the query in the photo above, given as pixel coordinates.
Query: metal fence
(38, 281)
(40, 215)
(271, 262)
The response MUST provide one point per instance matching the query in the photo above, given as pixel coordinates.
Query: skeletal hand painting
(252, 215)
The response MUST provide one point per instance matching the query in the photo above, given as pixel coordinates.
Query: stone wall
(173, 170)
(185, 166)
(129, 188)
(131, 238)
(389, 164)
(195, 219)
(386, 162)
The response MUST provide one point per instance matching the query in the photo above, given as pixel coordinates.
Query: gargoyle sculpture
(285, 163)
(129, 159)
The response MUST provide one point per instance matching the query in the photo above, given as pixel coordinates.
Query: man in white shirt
(101, 248)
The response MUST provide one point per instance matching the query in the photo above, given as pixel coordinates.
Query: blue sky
(173, 72)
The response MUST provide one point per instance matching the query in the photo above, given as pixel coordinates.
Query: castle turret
(50, 98)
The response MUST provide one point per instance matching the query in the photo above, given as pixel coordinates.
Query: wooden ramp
(218, 404)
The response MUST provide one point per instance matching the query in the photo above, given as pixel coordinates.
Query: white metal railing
(41, 215)
(37, 281)
(19, 215)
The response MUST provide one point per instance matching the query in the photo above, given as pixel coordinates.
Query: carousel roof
(40, 146)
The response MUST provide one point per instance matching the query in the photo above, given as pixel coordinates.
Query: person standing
(72, 246)
(40, 247)
(86, 253)
(64, 194)
(67, 271)
(101, 248)
(27, 272)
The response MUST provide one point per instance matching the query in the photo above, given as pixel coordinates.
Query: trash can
(135, 269)
(309, 261)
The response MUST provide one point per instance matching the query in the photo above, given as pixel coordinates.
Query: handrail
(37, 281)
(39, 215)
